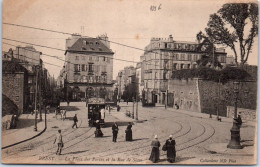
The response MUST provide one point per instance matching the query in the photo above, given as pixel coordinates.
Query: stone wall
(185, 94)
(246, 114)
(13, 87)
(217, 96)
(211, 97)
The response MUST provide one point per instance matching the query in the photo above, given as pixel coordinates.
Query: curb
(11, 145)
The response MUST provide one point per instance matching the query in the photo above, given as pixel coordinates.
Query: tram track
(47, 139)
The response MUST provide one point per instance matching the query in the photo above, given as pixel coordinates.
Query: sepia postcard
(149, 82)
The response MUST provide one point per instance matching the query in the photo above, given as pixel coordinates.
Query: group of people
(169, 146)
(115, 130)
(61, 112)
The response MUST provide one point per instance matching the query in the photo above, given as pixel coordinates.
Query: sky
(128, 22)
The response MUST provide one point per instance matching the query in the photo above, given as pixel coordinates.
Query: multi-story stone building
(124, 78)
(88, 67)
(162, 56)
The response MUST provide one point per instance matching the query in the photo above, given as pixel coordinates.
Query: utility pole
(40, 93)
(133, 109)
(35, 101)
(166, 99)
(137, 98)
(213, 55)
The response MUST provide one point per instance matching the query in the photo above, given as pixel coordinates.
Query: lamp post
(235, 130)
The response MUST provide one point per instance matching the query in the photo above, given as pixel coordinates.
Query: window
(182, 56)
(175, 66)
(84, 48)
(182, 66)
(90, 58)
(83, 67)
(76, 67)
(189, 57)
(77, 58)
(97, 43)
(104, 58)
(99, 49)
(90, 67)
(188, 66)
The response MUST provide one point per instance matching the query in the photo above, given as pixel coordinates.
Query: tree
(229, 27)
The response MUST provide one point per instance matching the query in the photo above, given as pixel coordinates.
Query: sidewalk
(24, 130)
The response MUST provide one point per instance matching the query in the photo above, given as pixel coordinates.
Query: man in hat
(75, 120)
(155, 154)
(115, 130)
(59, 141)
(170, 148)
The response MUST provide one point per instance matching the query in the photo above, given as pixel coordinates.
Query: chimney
(70, 41)
(104, 39)
(170, 39)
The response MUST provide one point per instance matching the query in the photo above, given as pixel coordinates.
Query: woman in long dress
(170, 148)
(128, 131)
(155, 154)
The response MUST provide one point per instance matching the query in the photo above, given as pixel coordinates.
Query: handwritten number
(154, 8)
(159, 7)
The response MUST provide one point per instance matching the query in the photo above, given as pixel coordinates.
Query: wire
(65, 50)
(54, 31)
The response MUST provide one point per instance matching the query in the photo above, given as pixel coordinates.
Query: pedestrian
(102, 115)
(177, 106)
(239, 120)
(127, 101)
(118, 108)
(48, 109)
(170, 148)
(68, 103)
(75, 120)
(109, 109)
(115, 130)
(128, 132)
(59, 141)
(155, 154)
(57, 111)
(98, 132)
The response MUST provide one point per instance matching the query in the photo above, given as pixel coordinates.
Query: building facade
(88, 68)
(161, 57)
(124, 79)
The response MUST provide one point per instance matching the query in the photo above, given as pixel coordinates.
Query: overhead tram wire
(45, 55)
(64, 51)
(54, 31)
(129, 61)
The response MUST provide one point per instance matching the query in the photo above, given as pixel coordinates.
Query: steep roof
(89, 45)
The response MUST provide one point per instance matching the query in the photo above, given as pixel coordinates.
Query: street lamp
(235, 130)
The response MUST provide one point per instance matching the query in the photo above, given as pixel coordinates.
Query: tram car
(94, 106)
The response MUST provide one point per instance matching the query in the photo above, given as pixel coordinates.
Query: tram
(94, 106)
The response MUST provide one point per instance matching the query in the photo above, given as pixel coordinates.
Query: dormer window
(84, 48)
(92, 48)
(97, 43)
(99, 49)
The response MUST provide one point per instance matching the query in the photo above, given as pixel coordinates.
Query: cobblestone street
(196, 137)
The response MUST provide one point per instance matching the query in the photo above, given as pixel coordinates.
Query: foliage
(227, 27)
(225, 75)
(207, 46)
(8, 106)
(12, 67)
